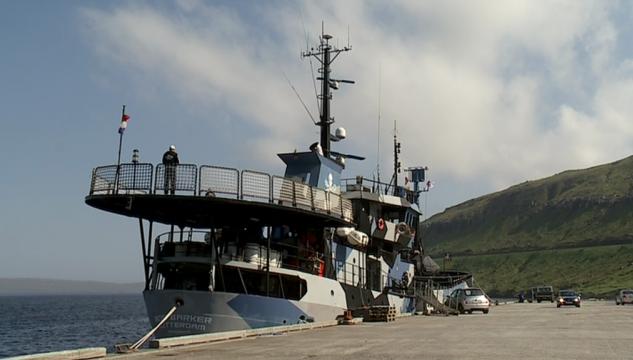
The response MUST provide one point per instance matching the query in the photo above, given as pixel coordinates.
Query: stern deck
(205, 196)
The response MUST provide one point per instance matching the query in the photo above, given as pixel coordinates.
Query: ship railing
(350, 273)
(216, 181)
(444, 281)
(219, 181)
(359, 183)
(125, 178)
(289, 192)
(183, 176)
(255, 186)
(193, 243)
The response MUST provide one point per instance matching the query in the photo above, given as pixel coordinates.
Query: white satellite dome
(340, 133)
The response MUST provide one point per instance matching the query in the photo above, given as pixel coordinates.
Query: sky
(487, 94)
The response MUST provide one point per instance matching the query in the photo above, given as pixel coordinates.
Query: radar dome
(340, 133)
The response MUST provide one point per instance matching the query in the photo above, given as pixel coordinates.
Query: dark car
(568, 297)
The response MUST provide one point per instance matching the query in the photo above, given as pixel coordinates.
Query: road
(596, 330)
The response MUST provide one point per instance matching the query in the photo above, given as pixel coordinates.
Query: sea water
(36, 324)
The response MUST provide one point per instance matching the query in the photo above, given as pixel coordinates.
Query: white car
(467, 300)
(624, 297)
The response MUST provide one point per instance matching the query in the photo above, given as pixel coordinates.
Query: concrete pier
(597, 330)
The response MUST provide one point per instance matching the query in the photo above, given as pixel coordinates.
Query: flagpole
(118, 162)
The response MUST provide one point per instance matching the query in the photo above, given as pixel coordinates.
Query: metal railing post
(195, 180)
(92, 181)
(340, 200)
(311, 198)
(242, 186)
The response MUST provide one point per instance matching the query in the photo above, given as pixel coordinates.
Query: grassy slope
(595, 271)
(560, 216)
(574, 208)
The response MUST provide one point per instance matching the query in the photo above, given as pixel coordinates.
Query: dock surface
(596, 330)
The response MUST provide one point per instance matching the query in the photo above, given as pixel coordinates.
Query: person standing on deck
(170, 160)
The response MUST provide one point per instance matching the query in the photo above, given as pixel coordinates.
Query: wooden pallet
(381, 313)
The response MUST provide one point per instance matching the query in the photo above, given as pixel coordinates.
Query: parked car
(624, 297)
(568, 297)
(469, 300)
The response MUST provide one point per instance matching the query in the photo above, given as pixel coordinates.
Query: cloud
(486, 92)
(218, 65)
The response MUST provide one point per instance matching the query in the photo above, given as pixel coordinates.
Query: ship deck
(207, 212)
(207, 196)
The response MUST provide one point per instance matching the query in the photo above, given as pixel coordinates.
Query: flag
(124, 120)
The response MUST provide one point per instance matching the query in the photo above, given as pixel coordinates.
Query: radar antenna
(397, 166)
(326, 53)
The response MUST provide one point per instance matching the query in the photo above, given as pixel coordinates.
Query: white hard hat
(172, 147)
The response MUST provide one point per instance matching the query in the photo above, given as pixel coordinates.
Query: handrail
(216, 181)
(219, 181)
(180, 177)
(132, 177)
(255, 185)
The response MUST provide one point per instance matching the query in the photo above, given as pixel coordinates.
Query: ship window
(252, 282)
(185, 277)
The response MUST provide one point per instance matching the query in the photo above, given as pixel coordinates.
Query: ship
(241, 249)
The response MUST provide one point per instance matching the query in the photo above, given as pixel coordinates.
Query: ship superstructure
(243, 249)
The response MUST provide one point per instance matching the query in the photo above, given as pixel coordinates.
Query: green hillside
(594, 271)
(516, 238)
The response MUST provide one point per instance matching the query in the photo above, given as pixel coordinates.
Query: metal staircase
(425, 295)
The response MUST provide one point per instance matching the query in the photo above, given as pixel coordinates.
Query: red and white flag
(124, 120)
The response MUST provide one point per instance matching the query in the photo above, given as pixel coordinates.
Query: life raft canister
(381, 224)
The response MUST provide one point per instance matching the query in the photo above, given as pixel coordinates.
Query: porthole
(332, 292)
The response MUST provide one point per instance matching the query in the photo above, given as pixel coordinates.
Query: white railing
(216, 181)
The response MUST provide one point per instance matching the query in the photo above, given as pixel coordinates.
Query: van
(542, 293)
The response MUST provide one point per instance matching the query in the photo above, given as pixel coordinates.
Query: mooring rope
(144, 339)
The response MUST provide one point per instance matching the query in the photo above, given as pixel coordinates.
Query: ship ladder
(426, 295)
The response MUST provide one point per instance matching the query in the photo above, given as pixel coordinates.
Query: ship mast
(396, 162)
(326, 54)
